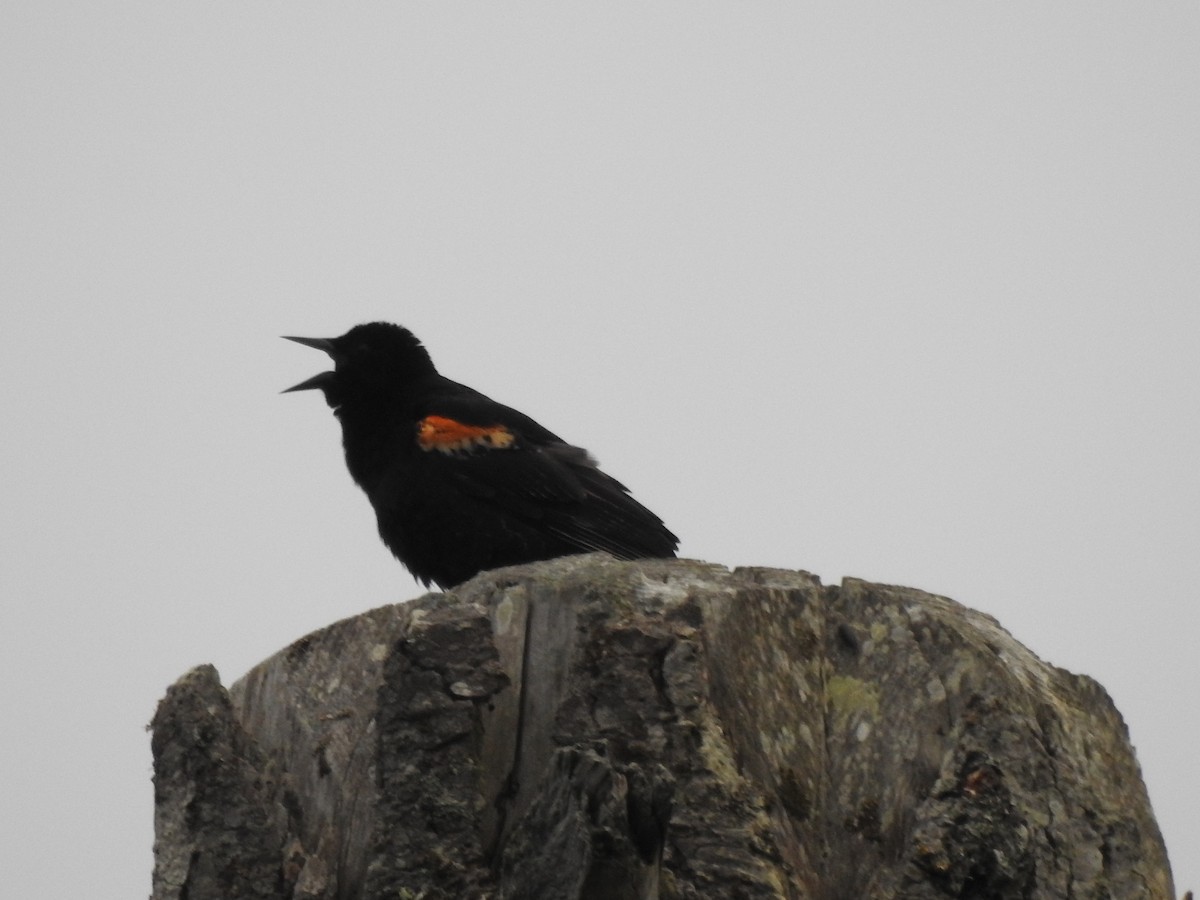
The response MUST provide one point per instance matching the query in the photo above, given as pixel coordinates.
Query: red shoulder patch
(451, 436)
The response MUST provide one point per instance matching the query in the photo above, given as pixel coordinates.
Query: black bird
(459, 482)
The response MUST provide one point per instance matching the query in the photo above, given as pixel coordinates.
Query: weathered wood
(586, 728)
(219, 830)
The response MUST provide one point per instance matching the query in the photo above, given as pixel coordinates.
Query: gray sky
(908, 293)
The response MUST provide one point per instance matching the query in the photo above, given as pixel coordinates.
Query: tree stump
(587, 728)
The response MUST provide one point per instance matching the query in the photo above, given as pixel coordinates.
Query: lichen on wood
(587, 728)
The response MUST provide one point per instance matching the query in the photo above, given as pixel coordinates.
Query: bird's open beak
(317, 381)
(318, 343)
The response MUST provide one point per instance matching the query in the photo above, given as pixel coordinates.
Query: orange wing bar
(450, 436)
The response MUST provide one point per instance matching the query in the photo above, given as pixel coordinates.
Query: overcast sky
(903, 292)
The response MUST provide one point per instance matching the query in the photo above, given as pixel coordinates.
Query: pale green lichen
(717, 754)
(851, 697)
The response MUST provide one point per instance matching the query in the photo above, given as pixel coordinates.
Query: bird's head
(377, 359)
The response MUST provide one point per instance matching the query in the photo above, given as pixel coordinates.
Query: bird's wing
(502, 456)
(494, 452)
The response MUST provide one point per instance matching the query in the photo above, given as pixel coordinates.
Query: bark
(593, 729)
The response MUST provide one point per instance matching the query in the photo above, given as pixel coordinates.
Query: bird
(461, 484)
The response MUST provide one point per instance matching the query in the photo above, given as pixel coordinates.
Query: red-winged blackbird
(459, 482)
